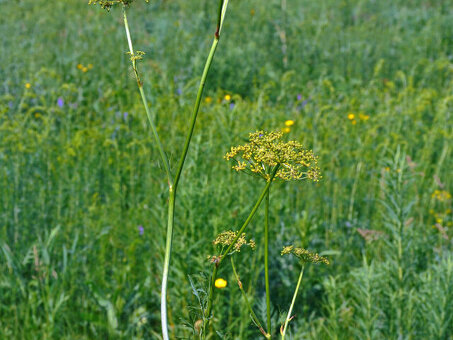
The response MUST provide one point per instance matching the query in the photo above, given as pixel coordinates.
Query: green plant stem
(288, 317)
(162, 153)
(266, 262)
(249, 306)
(196, 110)
(173, 183)
(207, 315)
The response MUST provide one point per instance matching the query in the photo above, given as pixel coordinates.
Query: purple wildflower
(141, 230)
(60, 102)
(125, 114)
(299, 97)
(231, 106)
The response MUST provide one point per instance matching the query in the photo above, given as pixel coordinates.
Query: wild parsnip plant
(82, 187)
(172, 179)
(268, 157)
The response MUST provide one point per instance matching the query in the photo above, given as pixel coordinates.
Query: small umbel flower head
(225, 239)
(107, 4)
(265, 150)
(304, 255)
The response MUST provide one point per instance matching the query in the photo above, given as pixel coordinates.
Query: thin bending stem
(249, 306)
(288, 317)
(162, 153)
(266, 262)
(207, 315)
(173, 183)
(195, 110)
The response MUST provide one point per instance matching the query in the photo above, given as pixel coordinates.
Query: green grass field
(83, 195)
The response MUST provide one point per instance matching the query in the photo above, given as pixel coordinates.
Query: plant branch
(249, 306)
(207, 315)
(266, 263)
(162, 153)
(288, 317)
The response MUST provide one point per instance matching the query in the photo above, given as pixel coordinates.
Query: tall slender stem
(288, 317)
(266, 262)
(249, 306)
(162, 153)
(207, 315)
(173, 183)
(195, 110)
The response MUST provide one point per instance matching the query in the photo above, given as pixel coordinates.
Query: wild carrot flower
(265, 150)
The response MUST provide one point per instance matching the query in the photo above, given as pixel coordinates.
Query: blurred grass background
(369, 86)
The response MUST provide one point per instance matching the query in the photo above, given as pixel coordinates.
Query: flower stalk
(288, 316)
(266, 263)
(173, 181)
(207, 314)
(249, 306)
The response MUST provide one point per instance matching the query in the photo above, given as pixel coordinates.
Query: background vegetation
(369, 85)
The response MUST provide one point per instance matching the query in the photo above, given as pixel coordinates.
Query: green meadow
(367, 85)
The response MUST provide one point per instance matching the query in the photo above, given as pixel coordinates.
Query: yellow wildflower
(286, 130)
(85, 69)
(351, 116)
(227, 97)
(220, 283)
(265, 150)
(208, 100)
(79, 66)
(354, 122)
(289, 122)
(27, 85)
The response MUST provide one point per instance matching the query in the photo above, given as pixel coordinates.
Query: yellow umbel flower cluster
(265, 150)
(304, 255)
(227, 237)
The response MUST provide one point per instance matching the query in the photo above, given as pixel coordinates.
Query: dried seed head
(265, 150)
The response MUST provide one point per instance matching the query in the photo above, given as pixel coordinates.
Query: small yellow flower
(37, 115)
(289, 122)
(27, 85)
(227, 97)
(220, 283)
(353, 122)
(208, 100)
(387, 169)
(79, 66)
(351, 116)
(85, 69)
(286, 130)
